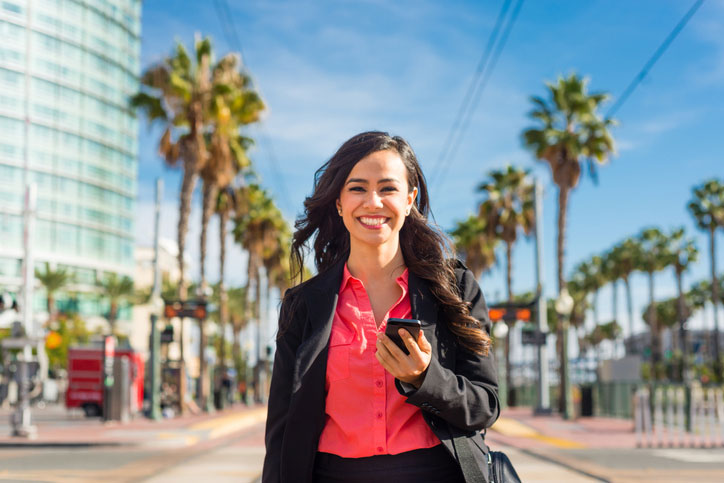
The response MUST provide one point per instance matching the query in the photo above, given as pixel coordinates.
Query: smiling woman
(346, 403)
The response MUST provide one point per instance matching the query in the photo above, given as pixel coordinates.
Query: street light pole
(500, 331)
(543, 403)
(564, 306)
(156, 307)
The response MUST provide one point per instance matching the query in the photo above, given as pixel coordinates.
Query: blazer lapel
(424, 308)
(321, 300)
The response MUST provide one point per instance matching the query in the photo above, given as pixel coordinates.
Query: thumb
(423, 343)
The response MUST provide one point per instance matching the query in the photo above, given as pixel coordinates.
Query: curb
(510, 427)
(63, 444)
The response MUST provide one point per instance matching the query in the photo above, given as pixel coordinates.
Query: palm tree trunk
(112, 317)
(654, 327)
(223, 302)
(201, 383)
(715, 303)
(619, 339)
(682, 322)
(188, 183)
(51, 309)
(509, 289)
(210, 192)
(629, 303)
(614, 299)
(560, 247)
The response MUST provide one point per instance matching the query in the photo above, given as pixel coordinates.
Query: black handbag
(500, 469)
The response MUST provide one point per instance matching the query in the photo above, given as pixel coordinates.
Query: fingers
(391, 349)
(423, 343)
(412, 346)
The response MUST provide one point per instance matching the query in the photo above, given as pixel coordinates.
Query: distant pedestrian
(346, 404)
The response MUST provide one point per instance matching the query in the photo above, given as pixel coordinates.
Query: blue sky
(330, 69)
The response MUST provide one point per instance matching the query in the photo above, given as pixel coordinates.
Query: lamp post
(564, 307)
(500, 331)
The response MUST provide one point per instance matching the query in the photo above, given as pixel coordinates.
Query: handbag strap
(468, 464)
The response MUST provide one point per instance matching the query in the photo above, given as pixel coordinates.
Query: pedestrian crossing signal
(509, 313)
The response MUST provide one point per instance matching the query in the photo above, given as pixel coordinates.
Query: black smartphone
(410, 325)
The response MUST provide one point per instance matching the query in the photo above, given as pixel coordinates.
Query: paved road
(230, 447)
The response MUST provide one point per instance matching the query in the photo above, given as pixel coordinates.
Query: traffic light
(195, 309)
(509, 313)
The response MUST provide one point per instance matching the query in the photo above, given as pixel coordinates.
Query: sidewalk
(520, 428)
(67, 430)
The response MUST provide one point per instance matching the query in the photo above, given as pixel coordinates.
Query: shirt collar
(402, 280)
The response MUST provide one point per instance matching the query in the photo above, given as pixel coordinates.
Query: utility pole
(543, 404)
(156, 307)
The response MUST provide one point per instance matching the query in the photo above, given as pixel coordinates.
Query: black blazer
(458, 395)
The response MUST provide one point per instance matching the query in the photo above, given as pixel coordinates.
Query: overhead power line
(463, 121)
(655, 57)
(465, 104)
(231, 33)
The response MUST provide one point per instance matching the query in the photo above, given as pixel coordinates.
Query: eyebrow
(364, 181)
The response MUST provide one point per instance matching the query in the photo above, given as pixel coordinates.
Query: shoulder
(463, 276)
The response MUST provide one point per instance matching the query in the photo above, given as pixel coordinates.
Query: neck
(374, 263)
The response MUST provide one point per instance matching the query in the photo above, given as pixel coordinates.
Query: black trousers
(429, 465)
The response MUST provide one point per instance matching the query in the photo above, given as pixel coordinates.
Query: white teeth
(372, 221)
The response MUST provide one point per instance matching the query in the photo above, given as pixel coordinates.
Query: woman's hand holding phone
(407, 368)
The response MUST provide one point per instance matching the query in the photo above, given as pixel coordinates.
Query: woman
(347, 404)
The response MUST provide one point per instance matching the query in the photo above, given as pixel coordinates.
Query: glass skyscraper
(67, 69)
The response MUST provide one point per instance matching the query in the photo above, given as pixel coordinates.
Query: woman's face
(375, 200)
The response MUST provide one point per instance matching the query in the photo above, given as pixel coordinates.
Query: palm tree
(507, 208)
(238, 314)
(178, 93)
(592, 279)
(255, 223)
(225, 206)
(52, 281)
(569, 132)
(654, 257)
(476, 247)
(234, 106)
(683, 254)
(626, 255)
(612, 271)
(707, 208)
(116, 289)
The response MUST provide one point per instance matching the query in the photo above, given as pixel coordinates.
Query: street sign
(167, 334)
(533, 337)
(17, 343)
(194, 309)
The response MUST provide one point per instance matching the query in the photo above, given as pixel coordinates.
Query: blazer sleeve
(280, 390)
(467, 397)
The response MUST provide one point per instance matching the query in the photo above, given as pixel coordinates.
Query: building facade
(67, 69)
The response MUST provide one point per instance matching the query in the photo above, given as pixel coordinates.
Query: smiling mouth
(375, 222)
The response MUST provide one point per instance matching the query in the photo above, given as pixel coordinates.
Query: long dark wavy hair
(428, 253)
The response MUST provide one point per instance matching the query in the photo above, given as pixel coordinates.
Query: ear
(339, 205)
(411, 196)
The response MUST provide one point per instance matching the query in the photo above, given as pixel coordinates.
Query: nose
(373, 200)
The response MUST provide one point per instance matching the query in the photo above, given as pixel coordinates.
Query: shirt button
(379, 415)
(380, 449)
(378, 383)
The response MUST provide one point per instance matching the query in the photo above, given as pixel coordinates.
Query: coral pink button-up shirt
(366, 415)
